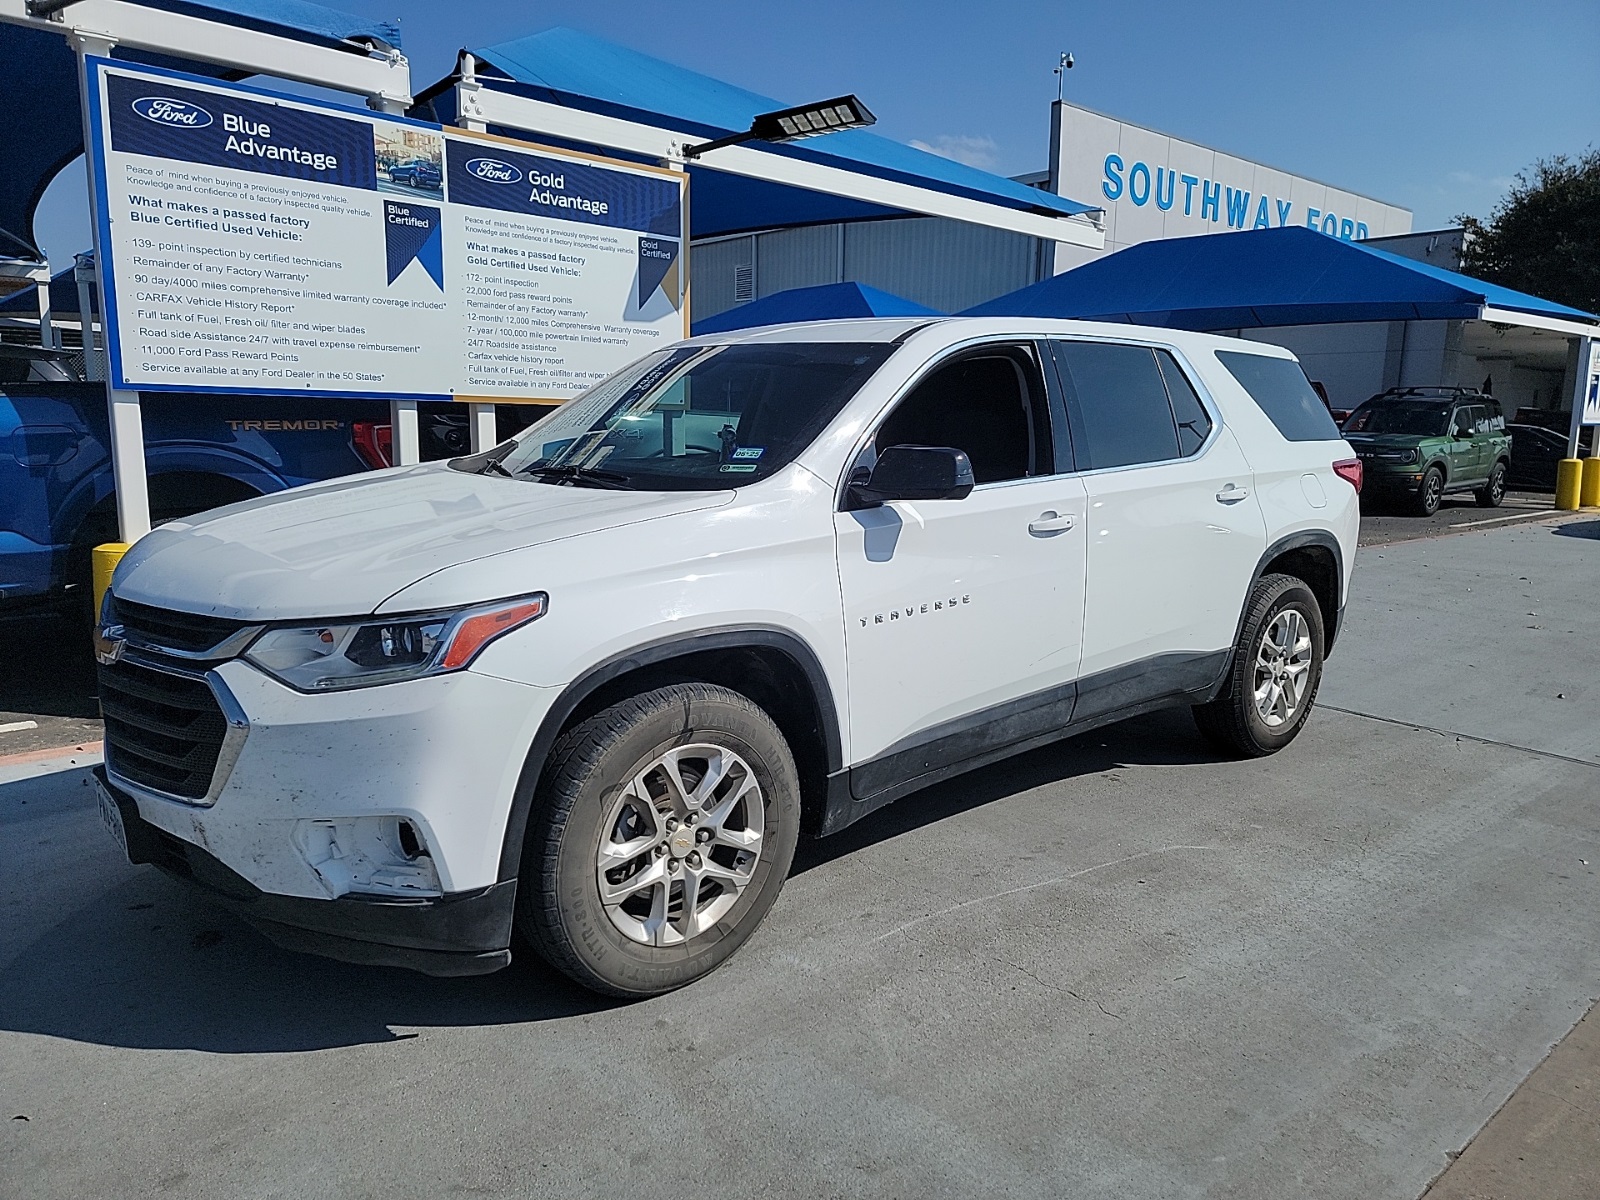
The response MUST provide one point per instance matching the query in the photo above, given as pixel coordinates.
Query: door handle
(1232, 494)
(1049, 522)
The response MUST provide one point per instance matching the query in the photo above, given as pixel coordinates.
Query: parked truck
(57, 498)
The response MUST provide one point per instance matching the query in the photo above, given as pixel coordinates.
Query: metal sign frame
(94, 29)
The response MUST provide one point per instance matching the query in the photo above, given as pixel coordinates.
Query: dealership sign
(260, 243)
(1154, 186)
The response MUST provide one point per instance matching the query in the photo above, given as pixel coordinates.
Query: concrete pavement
(1117, 967)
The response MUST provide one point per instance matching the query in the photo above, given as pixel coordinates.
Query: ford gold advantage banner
(260, 243)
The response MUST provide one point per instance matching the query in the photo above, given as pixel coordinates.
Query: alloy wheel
(680, 843)
(1283, 665)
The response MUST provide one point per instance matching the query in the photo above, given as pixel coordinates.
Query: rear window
(1282, 391)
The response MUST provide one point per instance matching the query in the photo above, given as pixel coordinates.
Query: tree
(1544, 235)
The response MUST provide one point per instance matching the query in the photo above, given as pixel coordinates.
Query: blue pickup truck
(56, 494)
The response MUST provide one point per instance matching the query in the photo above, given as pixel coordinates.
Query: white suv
(588, 687)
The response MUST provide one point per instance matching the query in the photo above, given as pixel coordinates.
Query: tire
(1491, 493)
(1235, 720)
(600, 776)
(1429, 493)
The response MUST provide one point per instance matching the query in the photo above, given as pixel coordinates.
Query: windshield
(1420, 418)
(697, 417)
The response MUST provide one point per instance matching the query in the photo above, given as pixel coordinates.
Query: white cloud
(978, 152)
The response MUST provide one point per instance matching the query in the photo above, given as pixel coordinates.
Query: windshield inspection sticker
(738, 467)
(749, 452)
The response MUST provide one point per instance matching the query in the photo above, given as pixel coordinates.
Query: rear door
(1175, 532)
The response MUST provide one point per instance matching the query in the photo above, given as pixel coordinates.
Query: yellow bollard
(1589, 492)
(1569, 483)
(103, 560)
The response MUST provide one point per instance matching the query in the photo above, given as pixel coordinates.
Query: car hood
(1386, 441)
(341, 548)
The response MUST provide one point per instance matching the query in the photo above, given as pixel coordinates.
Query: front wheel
(662, 833)
(1429, 493)
(1276, 670)
(1494, 491)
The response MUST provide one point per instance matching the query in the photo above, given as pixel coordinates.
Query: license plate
(111, 816)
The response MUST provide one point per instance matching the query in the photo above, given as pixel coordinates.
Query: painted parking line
(18, 726)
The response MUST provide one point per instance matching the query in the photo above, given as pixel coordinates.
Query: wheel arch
(774, 667)
(1312, 555)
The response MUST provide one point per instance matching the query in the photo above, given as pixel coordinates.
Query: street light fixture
(792, 124)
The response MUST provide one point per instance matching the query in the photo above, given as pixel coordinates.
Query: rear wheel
(1494, 491)
(663, 831)
(1429, 493)
(1276, 670)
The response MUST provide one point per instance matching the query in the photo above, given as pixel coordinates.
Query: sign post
(122, 404)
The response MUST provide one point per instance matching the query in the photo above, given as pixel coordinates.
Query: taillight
(1349, 469)
(374, 443)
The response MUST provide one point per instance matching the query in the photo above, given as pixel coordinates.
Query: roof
(572, 69)
(1289, 276)
(829, 301)
(38, 64)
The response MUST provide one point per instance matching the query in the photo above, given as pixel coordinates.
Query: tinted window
(1194, 424)
(1415, 418)
(986, 404)
(1119, 405)
(1465, 420)
(700, 417)
(1283, 392)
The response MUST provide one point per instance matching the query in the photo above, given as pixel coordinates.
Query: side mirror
(914, 473)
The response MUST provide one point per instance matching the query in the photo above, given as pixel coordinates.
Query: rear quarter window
(1281, 390)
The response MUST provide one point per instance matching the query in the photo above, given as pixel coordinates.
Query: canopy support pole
(1582, 350)
(481, 421)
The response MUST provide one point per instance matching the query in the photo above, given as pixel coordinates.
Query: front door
(1464, 449)
(963, 617)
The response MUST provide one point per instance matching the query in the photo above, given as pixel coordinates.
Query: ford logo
(165, 111)
(493, 170)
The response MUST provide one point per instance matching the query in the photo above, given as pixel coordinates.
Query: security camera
(1067, 62)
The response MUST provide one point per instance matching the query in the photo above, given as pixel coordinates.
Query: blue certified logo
(165, 111)
(493, 170)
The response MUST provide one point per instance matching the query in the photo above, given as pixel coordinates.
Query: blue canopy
(1289, 276)
(562, 66)
(828, 302)
(39, 65)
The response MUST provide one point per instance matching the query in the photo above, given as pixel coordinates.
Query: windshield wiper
(580, 476)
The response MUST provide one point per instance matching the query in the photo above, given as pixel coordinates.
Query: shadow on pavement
(1579, 529)
(47, 667)
(1166, 738)
(150, 963)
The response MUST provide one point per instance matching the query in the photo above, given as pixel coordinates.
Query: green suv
(1421, 442)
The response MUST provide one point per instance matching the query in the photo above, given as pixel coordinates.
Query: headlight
(326, 657)
(1399, 456)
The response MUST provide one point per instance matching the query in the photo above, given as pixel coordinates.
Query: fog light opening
(411, 844)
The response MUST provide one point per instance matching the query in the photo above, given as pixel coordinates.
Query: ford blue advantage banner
(260, 243)
(226, 131)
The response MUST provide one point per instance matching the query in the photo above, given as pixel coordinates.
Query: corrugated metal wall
(947, 265)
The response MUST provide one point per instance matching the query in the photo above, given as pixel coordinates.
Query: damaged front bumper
(461, 933)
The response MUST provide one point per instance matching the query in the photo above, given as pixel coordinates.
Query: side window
(1194, 423)
(1118, 401)
(1463, 422)
(989, 403)
(1282, 391)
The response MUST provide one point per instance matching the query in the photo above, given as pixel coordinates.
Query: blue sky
(1426, 104)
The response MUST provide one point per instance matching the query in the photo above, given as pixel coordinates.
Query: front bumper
(464, 933)
(442, 754)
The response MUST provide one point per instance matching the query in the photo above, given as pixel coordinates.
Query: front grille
(162, 731)
(168, 627)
